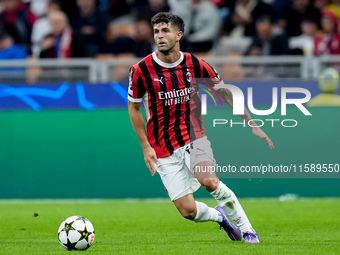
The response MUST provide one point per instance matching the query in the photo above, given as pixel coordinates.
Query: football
(76, 233)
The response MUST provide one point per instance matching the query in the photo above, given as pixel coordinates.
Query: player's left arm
(211, 76)
(227, 96)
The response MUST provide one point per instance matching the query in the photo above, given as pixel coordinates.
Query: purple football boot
(251, 237)
(232, 230)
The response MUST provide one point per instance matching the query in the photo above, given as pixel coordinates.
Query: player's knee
(210, 184)
(188, 212)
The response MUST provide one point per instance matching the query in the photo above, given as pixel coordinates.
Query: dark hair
(4, 35)
(310, 19)
(168, 17)
(264, 19)
(56, 2)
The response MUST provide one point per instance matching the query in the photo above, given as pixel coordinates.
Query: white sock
(206, 213)
(229, 203)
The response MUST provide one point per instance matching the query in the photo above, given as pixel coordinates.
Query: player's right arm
(135, 94)
(139, 127)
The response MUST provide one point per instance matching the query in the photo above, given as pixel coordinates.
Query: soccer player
(173, 142)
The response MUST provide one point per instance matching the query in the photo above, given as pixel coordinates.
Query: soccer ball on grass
(76, 233)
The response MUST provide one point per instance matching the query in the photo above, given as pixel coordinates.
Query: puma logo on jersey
(202, 150)
(160, 80)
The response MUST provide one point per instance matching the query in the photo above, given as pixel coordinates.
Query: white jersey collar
(168, 65)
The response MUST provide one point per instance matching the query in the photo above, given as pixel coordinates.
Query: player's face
(166, 36)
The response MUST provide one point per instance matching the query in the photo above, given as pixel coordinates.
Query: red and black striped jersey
(171, 101)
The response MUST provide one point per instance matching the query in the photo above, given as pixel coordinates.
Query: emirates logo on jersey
(176, 96)
(175, 93)
(189, 76)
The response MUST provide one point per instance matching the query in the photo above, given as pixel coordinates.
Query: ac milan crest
(189, 76)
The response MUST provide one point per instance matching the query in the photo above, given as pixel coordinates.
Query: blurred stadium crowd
(107, 28)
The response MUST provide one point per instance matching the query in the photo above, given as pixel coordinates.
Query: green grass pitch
(303, 226)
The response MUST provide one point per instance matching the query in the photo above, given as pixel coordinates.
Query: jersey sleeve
(136, 89)
(209, 75)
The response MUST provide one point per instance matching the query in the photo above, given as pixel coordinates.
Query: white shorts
(177, 170)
